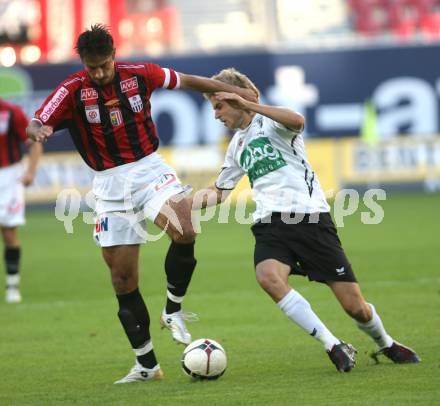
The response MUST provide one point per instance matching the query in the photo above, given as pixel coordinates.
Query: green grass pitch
(64, 344)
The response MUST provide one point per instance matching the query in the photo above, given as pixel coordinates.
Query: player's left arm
(288, 118)
(35, 150)
(206, 85)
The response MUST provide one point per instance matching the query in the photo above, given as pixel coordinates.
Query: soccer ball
(204, 359)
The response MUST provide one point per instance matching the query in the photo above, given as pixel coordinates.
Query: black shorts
(312, 249)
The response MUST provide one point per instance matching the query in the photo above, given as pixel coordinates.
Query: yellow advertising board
(338, 163)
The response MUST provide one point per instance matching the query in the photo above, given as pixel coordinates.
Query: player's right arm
(55, 110)
(210, 196)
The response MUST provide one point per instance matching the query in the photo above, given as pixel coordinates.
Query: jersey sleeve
(20, 122)
(286, 133)
(56, 109)
(159, 77)
(230, 173)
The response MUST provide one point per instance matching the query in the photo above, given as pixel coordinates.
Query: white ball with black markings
(204, 359)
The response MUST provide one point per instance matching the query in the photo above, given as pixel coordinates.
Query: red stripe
(16, 152)
(3, 151)
(173, 79)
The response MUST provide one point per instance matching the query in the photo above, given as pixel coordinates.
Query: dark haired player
(107, 109)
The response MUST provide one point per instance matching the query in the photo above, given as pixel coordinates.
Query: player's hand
(248, 94)
(27, 178)
(42, 133)
(236, 101)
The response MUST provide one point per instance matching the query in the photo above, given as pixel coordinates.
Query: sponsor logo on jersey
(164, 180)
(260, 157)
(136, 103)
(115, 117)
(53, 103)
(92, 114)
(89, 94)
(4, 122)
(101, 225)
(129, 84)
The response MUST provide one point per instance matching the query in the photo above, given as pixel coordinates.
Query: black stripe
(306, 173)
(306, 170)
(76, 136)
(11, 138)
(129, 117)
(108, 133)
(143, 92)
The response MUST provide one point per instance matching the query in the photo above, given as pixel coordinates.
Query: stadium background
(329, 59)
(326, 67)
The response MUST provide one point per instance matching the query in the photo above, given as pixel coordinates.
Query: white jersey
(274, 159)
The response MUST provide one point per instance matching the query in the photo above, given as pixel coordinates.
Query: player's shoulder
(74, 81)
(236, 140)
(10, 107)
(6, 105)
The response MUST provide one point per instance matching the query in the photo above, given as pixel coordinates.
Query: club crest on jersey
(89, 94)
(136, 103)
(115, 117)
(92, 114)
(129, 84)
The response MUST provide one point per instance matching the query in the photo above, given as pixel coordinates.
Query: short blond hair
(235, 78)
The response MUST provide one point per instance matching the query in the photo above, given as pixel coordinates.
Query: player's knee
(266, 277)
(123, 283)
(358, 312)
(185, 235)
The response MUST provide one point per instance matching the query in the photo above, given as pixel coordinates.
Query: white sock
(299, 311)
(375, 329)
(12, 281)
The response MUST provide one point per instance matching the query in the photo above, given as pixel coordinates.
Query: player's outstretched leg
(392, 349)
(175, 218)
(367, 320)
(179, 267)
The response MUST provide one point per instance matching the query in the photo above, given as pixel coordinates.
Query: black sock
(135, 319)
(12, 260)
(179, 267)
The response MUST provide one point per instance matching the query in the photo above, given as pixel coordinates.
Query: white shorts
(129, 194)
(11, 196)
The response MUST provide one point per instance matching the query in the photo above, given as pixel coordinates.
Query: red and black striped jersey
(110, 125)
(13, 123)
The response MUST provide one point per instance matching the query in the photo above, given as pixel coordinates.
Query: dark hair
(96, 41)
